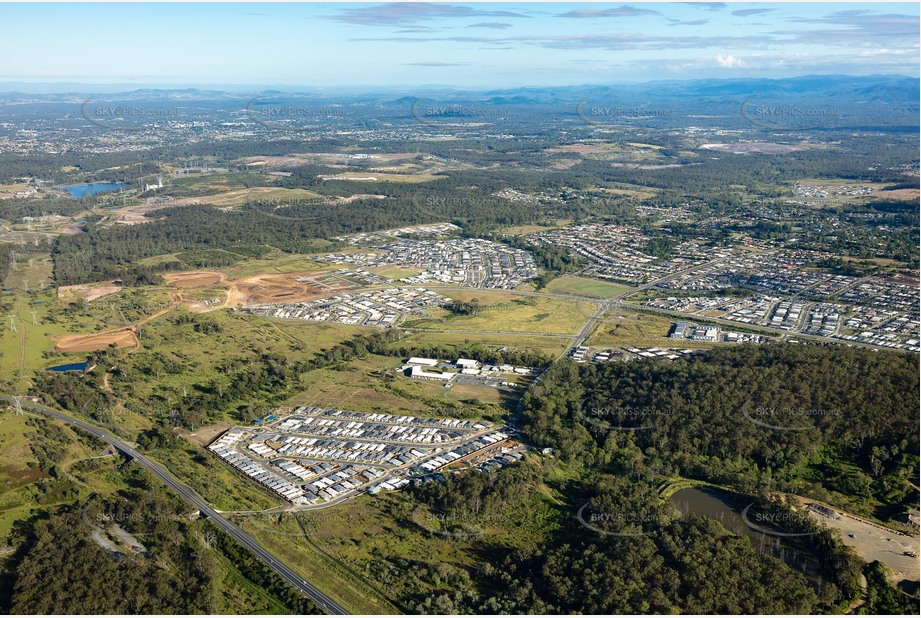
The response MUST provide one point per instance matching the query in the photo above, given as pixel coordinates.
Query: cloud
(696, 22)
(620, 41)
(857, 27)
(749, 12)
(493, 25)
(728, 61)
(436, 64)
(707, 6)
(405, 13)
(621, 11)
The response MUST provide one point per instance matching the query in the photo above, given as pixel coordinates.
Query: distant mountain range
(896, 89)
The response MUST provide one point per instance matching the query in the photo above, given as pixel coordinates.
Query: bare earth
(873, 542)
(87, 293)
(97, 341)
(258, 289)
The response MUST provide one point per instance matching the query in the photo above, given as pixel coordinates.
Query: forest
(836, 423)
(687, 421)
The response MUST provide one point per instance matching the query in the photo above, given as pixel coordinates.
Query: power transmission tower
(12, 323)
(18, 405)
(34, 318)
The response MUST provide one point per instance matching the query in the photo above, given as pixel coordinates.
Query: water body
(716, 505)
(69, 367)
(726, 508)
(78, 191)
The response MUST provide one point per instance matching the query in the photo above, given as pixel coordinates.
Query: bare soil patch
(123, 338)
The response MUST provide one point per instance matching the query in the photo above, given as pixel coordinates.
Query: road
(241, 537)
(583, 334)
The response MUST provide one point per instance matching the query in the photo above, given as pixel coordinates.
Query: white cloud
(728, 61)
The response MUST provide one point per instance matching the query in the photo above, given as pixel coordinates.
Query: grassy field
(384, 177)
(31, 347)
(24, 486)
(278, 262)
(215, 481)
(626, 328)
(261, 194)
(520, 230)
(552, 346)
(361, 386)
(376, 554)
(395, 273)
(7, 191)
(510, 313)
(586, 287)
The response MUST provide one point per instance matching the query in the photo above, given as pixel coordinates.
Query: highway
(241, 537)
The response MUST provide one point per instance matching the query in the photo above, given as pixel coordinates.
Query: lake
(726, 508)
(77, 191)
(714, 504)
(69, 367)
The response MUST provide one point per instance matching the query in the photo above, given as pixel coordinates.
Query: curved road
(241, 537)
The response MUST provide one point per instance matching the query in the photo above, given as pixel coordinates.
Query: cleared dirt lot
(264, 288)
(195, 278)
(71, 293)
(872, 542)
(124, 338)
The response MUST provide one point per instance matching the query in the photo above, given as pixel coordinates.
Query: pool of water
(69, 367)
(726, 508)
(77, 191)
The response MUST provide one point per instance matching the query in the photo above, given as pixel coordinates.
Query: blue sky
(455, 44)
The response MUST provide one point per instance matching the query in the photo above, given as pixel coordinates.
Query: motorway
(241, 537)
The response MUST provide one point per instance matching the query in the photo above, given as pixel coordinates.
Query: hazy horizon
(449, 45)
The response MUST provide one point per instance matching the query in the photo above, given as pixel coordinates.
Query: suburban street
(243, 538)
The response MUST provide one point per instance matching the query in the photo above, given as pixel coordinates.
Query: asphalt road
(194, 499)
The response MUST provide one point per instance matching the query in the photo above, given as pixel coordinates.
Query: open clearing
(619, 328)
(195, 278)
(241, 196)
(587, 287)
(262, 288)
(380, 177)
(74, 293)
(123, 338)
(907, 195)
(872, 542)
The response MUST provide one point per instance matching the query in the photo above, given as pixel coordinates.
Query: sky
(470, 45)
